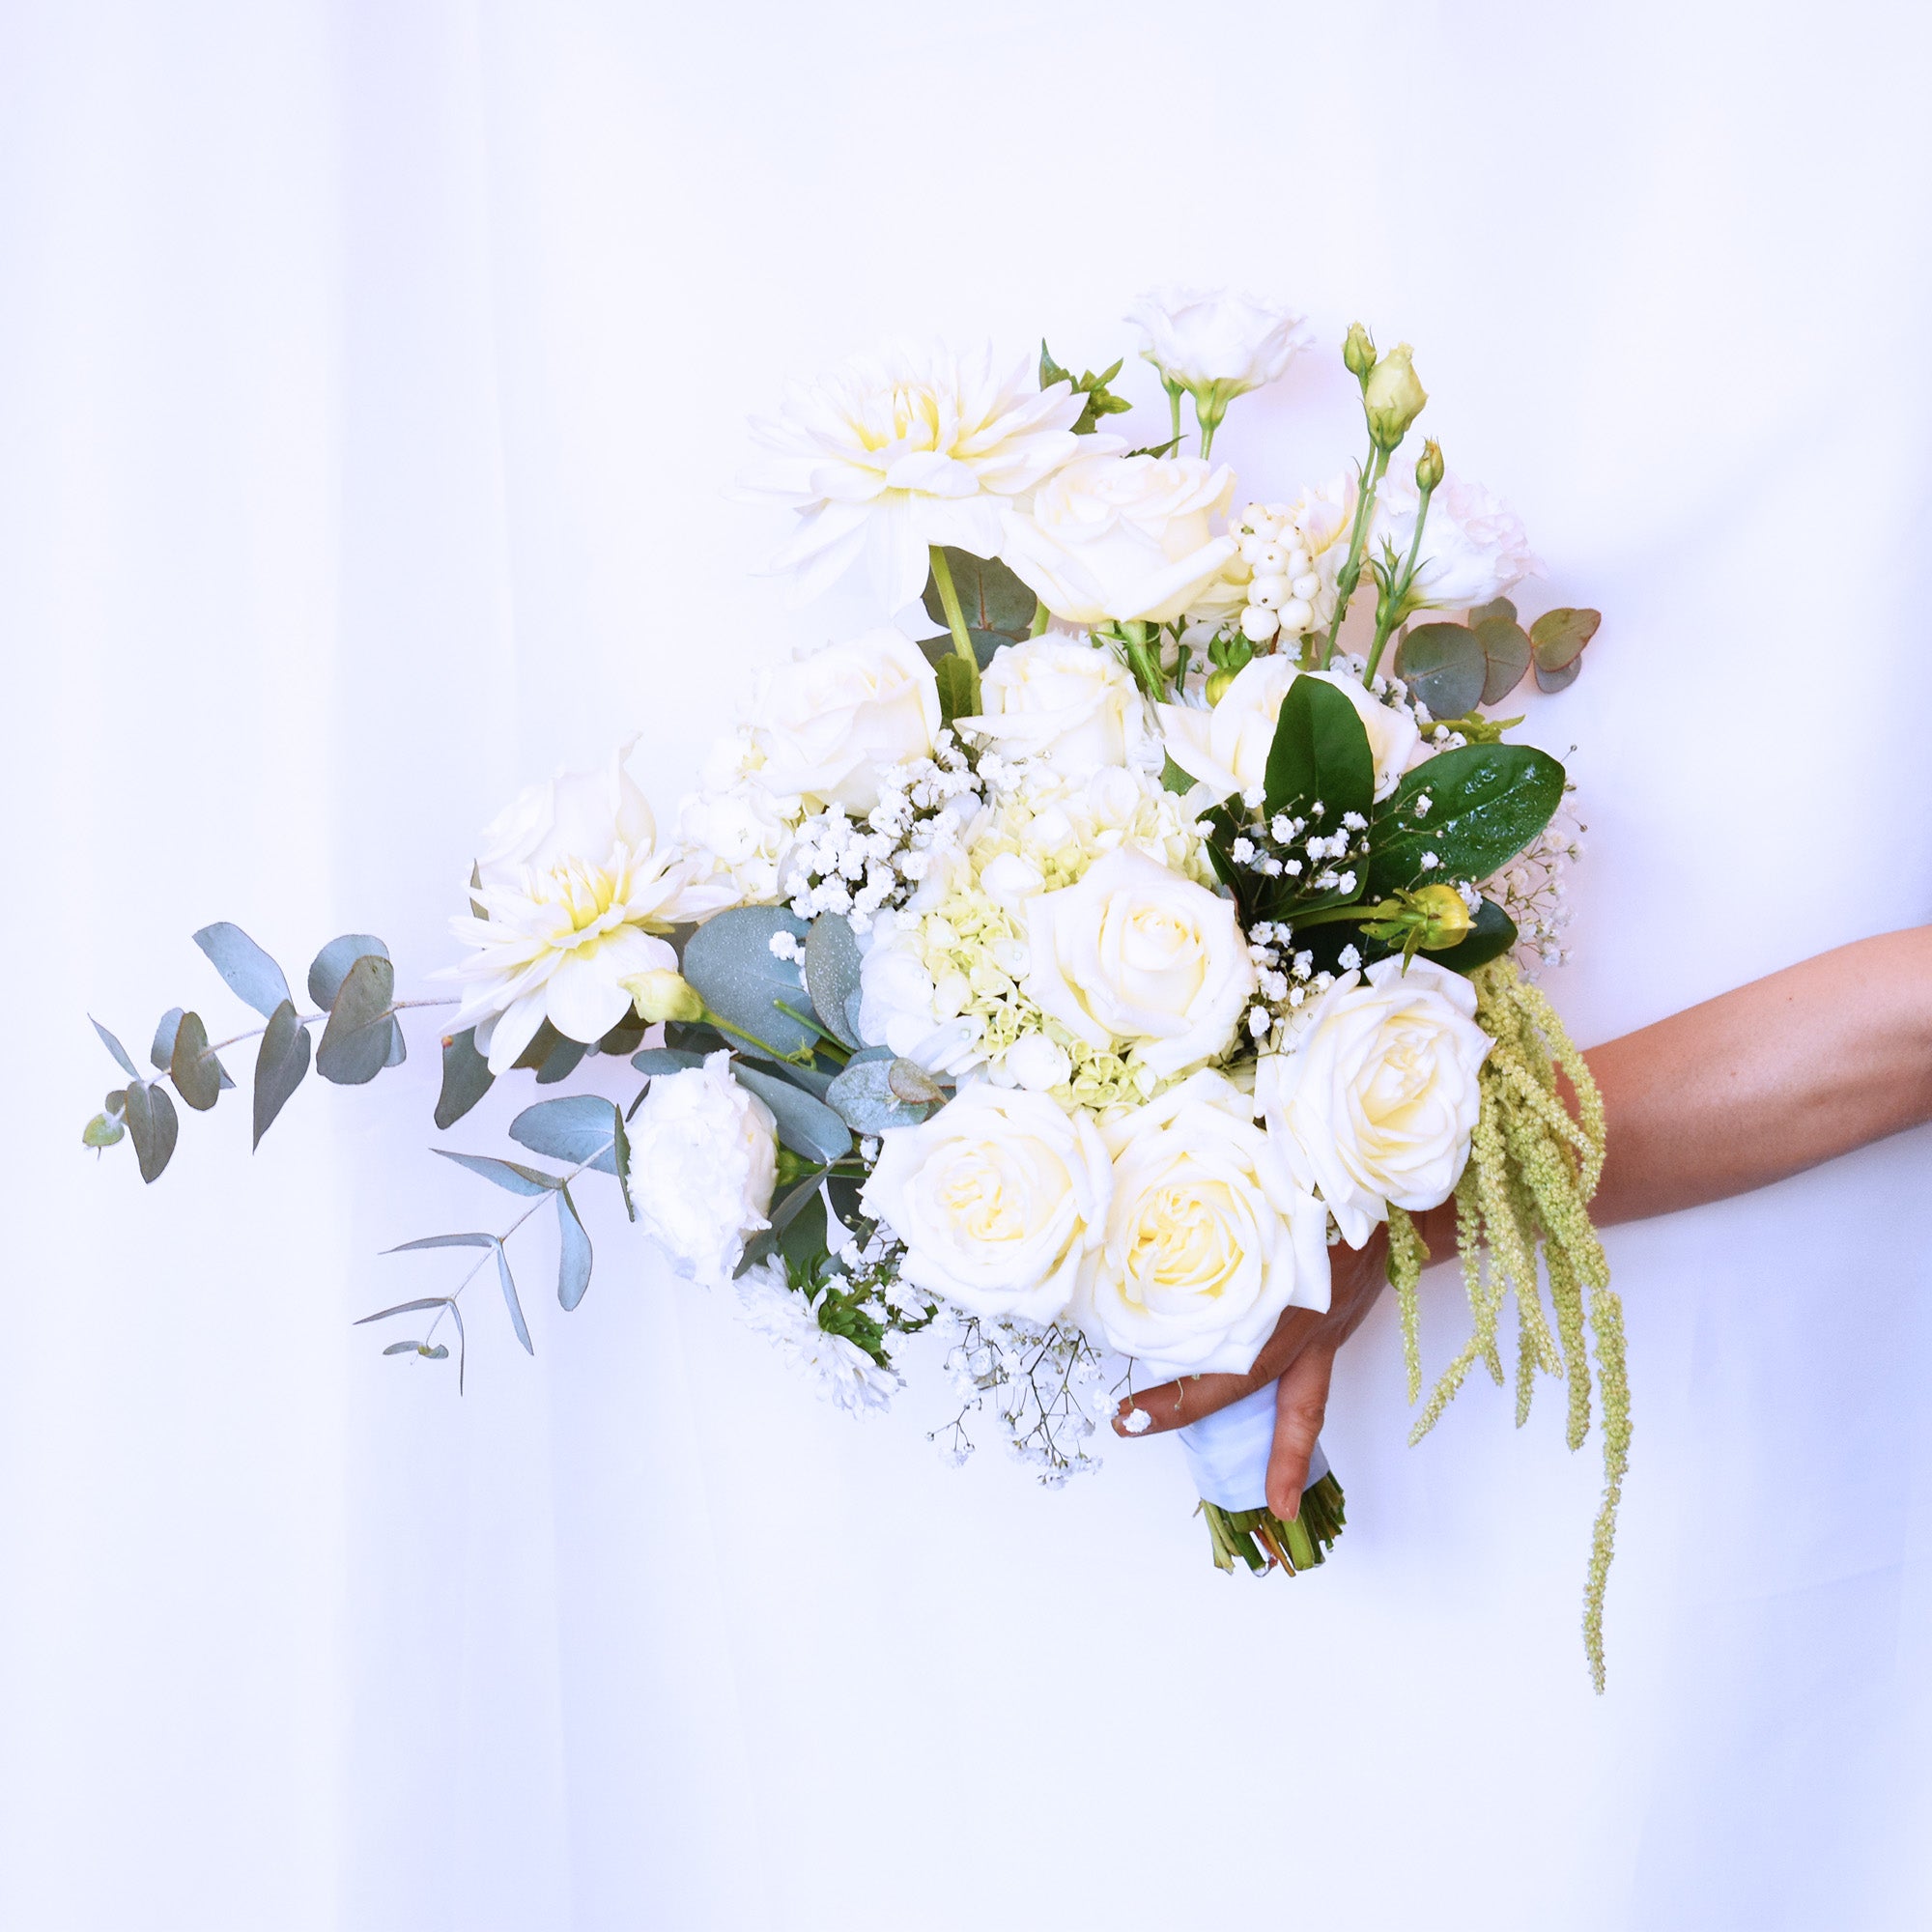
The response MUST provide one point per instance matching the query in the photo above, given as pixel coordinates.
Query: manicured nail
(1132, 1421)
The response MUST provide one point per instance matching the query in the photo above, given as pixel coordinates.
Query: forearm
(1768, 1080)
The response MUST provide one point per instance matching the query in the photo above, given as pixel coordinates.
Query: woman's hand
(1301, 1352)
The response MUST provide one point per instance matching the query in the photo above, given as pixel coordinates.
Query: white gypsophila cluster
(1285, 981)
(838, 1369)
(1532, 891)
(861, 866)
(1049, 1385)
(1281, 582)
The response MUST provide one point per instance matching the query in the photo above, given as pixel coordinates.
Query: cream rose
(1377, 1103)
(1207, 1239)
(1117, 539)
(1072, 704)
(826, 724)
(1000, 1198)
(703, 1162)
(1474, 547)
(1227, 748)
(1135, 955)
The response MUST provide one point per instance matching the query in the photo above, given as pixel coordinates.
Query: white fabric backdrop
(370, 379)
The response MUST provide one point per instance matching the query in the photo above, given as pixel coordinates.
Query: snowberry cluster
(1285, 591)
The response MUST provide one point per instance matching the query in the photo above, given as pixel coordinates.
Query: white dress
(370, 380)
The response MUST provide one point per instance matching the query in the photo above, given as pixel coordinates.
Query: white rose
(906, 448)
(1227, 748)
(1215, 344)
(1138, 954)
(1474, 547)
(826, 724)
(1377, 1103)
(1122, 538)
(1073, 704)
(703, 1163)
(1207, 1239)
(1000, 1198)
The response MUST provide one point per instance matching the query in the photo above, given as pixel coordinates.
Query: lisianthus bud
(1427, 920)
(1447, 915)
(1392, 397)
(1218, 682)
(663, 995)
(1358, 351)
(1429, 465)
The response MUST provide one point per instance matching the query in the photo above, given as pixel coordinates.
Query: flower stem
(1352, 571)
(1388, 616)
(949, 599)
(1173, 389)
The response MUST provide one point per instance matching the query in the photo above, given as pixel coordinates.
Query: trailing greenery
(1533, 1169)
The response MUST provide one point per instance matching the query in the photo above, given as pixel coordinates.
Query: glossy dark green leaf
(250, 972)
(785, 1209)
(1321, 750)
(191, 1067)
(582, 1128)
(1491, 936)
(990, 596)
(1558, 637)
(806, 1125)
(1173, 778)
(466, 1078)
(356, 1042)
(154, 1126)
(573, 1252)
(832, 969)
(331, 966)
(543, 1043)
(1486, 802)
(1505, 658)
(280, 1064)
(510, 1300)
(1443, 667)
(729, 960)
(507, 1174)
(115, 1047)
(865, 1101)
(802, 1241)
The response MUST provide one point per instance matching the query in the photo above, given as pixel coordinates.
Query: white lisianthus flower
(1117, 539)
(1474, 547)
(703, 1164)
(1207, 1239)
(1136, 954)
(1000, 1198)
(1215, 344)
(573, 890)
(1227, 748)
(827, 723)
(906, 448)
(1377, 1103)
(1072, 704)
(840, 1370)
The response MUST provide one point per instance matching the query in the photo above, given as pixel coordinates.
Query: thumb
(1302, 1404)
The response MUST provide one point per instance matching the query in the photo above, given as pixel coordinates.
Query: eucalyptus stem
(949, 598)
(1373, 473)
(1387, 619)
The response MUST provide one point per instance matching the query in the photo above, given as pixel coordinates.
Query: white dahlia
(904, 448)
(841, 1371)
(571, 890)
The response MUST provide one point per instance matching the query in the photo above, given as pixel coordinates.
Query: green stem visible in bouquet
(1145, 665)
(1041, 618)
(948, 600)
(1391, 607)
(1173, 389)
(1263, 1540)
(1351, 573)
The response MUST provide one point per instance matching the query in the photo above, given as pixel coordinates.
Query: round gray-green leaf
(355, 1045)
(729, 960)
(192, 1067)
(866, 1101)
(249, 971)
(154, 1126)
(331, 966)
(1445, 669)
(832, 972)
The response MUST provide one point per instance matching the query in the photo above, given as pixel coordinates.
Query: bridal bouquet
(1059, 990)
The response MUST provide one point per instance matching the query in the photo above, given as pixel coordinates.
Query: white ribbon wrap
(1228, 1452)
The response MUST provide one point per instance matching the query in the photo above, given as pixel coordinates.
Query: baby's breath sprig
(1051, 1387)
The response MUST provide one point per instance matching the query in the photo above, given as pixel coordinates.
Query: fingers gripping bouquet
(1068, 986)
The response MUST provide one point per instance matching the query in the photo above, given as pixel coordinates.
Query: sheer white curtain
(370, 379)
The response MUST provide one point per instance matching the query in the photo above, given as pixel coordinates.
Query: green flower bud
(1358, 351)
(1430, 920)
(1392, 398)
(1429, 465)
(1218, 682)
(663, 995)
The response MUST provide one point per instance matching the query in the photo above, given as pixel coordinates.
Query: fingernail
(1293, 1508)
(1132, 1421)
